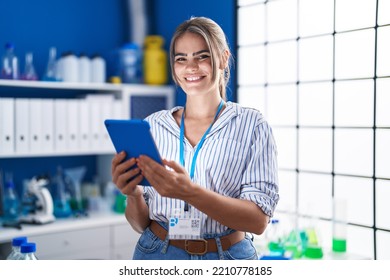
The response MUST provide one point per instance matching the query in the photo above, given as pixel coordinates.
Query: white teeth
(192, 79)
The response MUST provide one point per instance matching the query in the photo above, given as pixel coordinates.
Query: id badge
(185, 225)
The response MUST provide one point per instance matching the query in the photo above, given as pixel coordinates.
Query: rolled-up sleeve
(260, 181)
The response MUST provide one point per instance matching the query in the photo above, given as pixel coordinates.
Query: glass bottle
(51, 68)
(28, 252)
(11, 204)
(16, 244)
(10, 65)
(29, 73)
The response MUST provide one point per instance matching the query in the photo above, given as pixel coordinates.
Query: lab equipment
(10, 64)
(130, 63)
(75, 176)
(98, 69)
(16, 245)
(29, 72)
(155, 61)
(62, 207)
(12, 206)
(51, 68)
(28, 252)
(339, 232)
(85, 68)
(39, 203)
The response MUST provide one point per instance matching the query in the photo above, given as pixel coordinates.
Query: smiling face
(193, 65)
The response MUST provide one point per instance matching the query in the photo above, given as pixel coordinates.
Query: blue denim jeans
(150, 247)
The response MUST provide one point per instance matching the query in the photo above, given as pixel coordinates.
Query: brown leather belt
(198, 246)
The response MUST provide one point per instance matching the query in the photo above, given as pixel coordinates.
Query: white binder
(22, 125)
(60, 125)
(48, 124)
(73, 125)
(35, 122)
(7, 124)
(85, 129)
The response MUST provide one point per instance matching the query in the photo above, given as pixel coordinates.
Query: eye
(180, 59)
(203, 57)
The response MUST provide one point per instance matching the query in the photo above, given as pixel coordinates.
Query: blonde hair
(216, 41)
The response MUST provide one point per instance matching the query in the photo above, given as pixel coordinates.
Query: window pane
(354, 151)
(383, 60)
(288, 191)
(355, 14)
(286, 142)
(248, 2)
(360, 241)
(282, 20)
(315, 149)
(282, 62)
(383, 102)
(282, 104)
(249, 18)
(382, 204)
(382, 167)
(315, 104)
(383, 12)
(315, 17)
(315, 195)
(383, 245)
(253, 97)
(354, 103)
(355, 54)
(358, 193)
(316, 58)
(251, 62)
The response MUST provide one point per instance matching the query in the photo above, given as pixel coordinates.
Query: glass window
(354, 103)
(353, 152)
(252, 61)
(282, 20)
(287, 190)
(315, 149)
(316, 104)
(282, 62)
(360, 241)
(383, 244)
(316, 58)
(354, 57)
(382, 165)
(382, 204)
(252, 97)
(384, 12)
(315, 195)
(254, 17)
(355, 14)
(383, 58)
(286, 142)
(315, 17)
(382, 102)
(282, 113)
(358, 193)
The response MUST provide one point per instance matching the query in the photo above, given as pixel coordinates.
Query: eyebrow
(193, 54)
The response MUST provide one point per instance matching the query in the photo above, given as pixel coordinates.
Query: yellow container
(155, 61)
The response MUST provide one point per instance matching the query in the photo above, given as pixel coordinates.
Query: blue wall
(92, 26)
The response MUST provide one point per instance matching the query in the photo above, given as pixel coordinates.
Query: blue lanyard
(200, 144)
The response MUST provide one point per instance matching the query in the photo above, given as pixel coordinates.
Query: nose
(192, 65)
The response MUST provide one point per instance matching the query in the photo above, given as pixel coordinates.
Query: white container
(98, 69)
(70, 67)
(84, 69)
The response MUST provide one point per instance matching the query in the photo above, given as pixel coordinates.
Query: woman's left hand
(174, 183)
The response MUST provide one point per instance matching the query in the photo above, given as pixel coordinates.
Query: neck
(202, 107)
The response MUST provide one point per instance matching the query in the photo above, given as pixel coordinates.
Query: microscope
(39, 203)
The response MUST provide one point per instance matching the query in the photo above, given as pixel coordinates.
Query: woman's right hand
(122, 172)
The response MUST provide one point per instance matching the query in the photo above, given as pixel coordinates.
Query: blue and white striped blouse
(237, 159)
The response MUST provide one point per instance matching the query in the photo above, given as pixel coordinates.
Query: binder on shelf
(36, 125)
(22, 108)
(7, 124)
(73, 120)
(60, 125)
(48, 124)
(85, 126)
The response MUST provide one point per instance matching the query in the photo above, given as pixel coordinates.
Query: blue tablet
(134, 137)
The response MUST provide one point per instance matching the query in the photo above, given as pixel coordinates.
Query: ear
(224, 59)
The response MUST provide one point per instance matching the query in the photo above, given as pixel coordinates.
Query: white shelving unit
(107, 236)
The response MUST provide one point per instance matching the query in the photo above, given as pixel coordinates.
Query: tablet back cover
(133, 137)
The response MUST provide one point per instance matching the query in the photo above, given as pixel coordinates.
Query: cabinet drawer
(72, 242)
(124, 235)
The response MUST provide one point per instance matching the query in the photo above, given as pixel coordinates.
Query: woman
(219, 178)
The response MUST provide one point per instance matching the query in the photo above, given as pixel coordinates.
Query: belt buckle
(186, 244)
